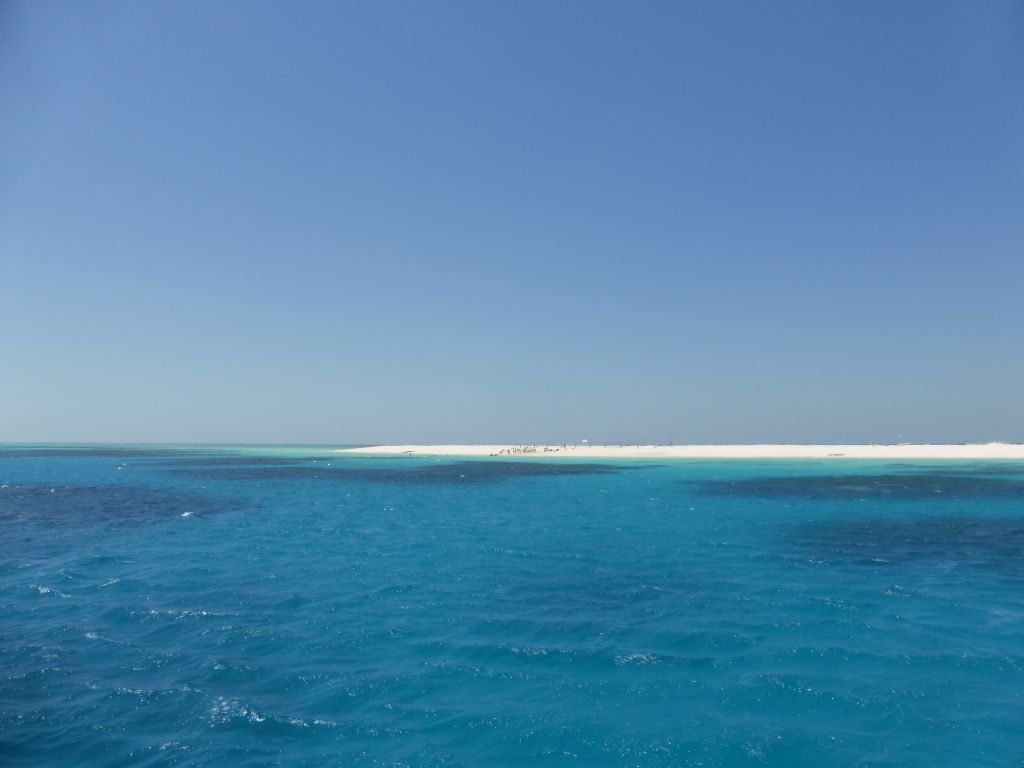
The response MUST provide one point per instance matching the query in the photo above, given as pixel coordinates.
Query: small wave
(141, 692)
(187, 613)
(530, 651)
(177, 746)
(897, 590)
(225, 710)
(638, 659)
(44, 590)
(97, 636)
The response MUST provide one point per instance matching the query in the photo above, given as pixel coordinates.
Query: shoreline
(759, 451)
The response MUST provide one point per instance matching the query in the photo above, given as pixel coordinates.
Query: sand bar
(766, 451)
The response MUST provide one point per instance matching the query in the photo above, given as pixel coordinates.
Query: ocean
(236, 606)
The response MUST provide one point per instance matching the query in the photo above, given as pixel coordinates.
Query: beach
(759, 451)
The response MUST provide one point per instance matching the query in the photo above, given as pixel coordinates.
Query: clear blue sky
(476, 221)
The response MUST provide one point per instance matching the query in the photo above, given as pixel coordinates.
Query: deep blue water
(244, 607)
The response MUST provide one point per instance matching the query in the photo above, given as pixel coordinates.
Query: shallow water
(230, 606)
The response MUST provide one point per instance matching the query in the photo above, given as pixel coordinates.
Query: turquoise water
(244, 607)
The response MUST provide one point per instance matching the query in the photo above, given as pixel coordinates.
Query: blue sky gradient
(441, 222)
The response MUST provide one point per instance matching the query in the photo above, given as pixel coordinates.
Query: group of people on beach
(520, 449)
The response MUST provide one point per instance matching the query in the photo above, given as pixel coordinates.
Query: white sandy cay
(767, 451)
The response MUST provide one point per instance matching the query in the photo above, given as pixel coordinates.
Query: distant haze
(508, 222)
